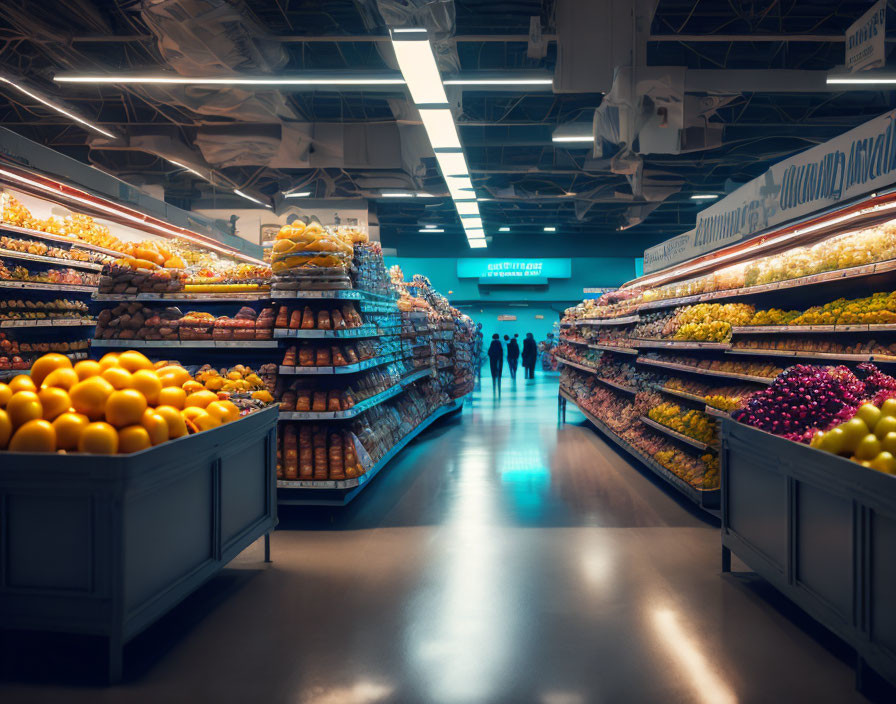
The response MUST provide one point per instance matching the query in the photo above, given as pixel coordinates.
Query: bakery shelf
(55, 261)
(355, 410)
(186, 344)
(577, 365)
(705, 372)
(48, 323)
(800, 329)
(570, 341)
(35, 286)
(9, 373)
(707, 499)
(687, 439)
(354, 485)
(681, 344)
(614, 348)
(361, 331)
(836, 356)
(46, 236)
(619, 387)
(344, 369)
(624, 320)
(186, 297)
(681, 394)
(415, 376)
(342, 294)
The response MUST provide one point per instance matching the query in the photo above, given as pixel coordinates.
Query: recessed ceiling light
(503, 229)
(248, 197)
(302, 194)
(550, 229)
(58, 108)
(427, 230)
(704, 196)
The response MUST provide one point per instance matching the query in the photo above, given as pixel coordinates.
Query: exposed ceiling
(354, 141)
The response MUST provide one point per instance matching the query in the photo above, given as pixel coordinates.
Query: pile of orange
(120, 404)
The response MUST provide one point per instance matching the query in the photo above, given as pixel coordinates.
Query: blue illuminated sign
(514, 271)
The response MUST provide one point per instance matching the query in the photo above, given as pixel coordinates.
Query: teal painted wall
(487, 314)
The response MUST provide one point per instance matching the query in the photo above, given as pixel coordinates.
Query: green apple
(888, 407)
(870, 414)
(884, 462)
(868, 448)
(887, 424)
(832, 441)
(888, 443)
(854, 431)
(816, 439)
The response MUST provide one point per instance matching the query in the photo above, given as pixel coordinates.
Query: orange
(5, 429)
(206, 421)
(5, 394)
(22, 382)
(176, 426)
(98, 439)
(118, 377)
(87, 368)
(23, 407)
(54, 401)
(192, 386)
(133, 360)
(46, 364)
(173, 375)
(64, 378)
(89, 397)
(172, 396)
(110, 359)
(200, 399)
(156, 426)
(68, 429)
(147, 383)
(224, 411)
(125, 407)
(34, 436)
(133, 439)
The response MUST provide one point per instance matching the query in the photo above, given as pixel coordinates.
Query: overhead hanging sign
(513, 271)
(865, 39)
(855, 163)
(506, 318)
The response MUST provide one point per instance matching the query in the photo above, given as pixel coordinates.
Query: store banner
(865, 39)
(855, 163)
(509, 271)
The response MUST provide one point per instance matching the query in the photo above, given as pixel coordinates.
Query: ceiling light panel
(467, 207)
(452, 163)
(440, 127)
(477, 243)
(418, 66)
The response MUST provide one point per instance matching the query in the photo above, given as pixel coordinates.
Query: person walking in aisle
(496, 360)
(513, 355)
(530, 354)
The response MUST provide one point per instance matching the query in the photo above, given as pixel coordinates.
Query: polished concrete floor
(500, 558)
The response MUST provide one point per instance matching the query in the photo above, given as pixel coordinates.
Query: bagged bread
(337, 468)
(319, 402)
(308, 319)
(323, 320)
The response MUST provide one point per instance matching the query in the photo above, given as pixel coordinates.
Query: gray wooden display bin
(107, 545)
(819, 528)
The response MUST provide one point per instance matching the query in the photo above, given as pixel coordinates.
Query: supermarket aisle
(500, 559)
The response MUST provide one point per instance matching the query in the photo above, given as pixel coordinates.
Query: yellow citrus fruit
(46, 364)
(87, 368)
(68, 429)
(264, 396)
(156, 426)
(89, 397)
(173, 375)
(176, 426)
(125, 407)
(5, 429)
(191, 386)
(147, 383)
(133, 360)
(172, 396)
(191, 412)
(5, 394)
(110, 359)
(54, 401)
(206, 421)
(22, 382)
(24, 406)
(133, 439)
(34, 436)
(98, 439)
(225, 411)
(200, 399)
(64, 378)
(118, 377)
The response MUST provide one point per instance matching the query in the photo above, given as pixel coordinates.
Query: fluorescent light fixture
(472, 222)
(301, 194)
(704, 196)
(430, 227)
(467, 207)
(396, 195)
(184, 167)
(427, 230)
(475, 233)
(418, 66)
(484, 200)
(58, 108)
(503, 229)
(508, 80)
(477, 243)
(440, 127)
(248, 197)
(867, 79)
(550, 229)
(582, 132)
(583, 139)
(452, 163)
(409, 30)
(425, 195)
(125, 79)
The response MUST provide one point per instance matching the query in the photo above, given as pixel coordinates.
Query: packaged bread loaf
(282, 318)
(303, 400)
(349, 456)
(337, 468)
(333, 400)
(308, 318)
(323, 357)
(290, 453)
(289, 358)
(350, 355)
(319, 401)
(295, 319)
(306, 455)
(323, 320)
(338, 357)
(338, 320)
(321, 460)
(306, 356)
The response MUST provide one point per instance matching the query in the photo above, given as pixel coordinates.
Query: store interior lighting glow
(418, 66)
(439, 125)
(125, 79)
(452, 163)
(248, 197)
(503, 229)
(302, 194)
(467, 207)
(550, 229)
(704, 196)
(435, 230)
(471, 222)
(57, 108)
(128, 214)
(585, 139)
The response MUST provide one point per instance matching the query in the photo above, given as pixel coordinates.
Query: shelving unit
(678, 436)
(54, 261)
(348, 333)
(704, 372)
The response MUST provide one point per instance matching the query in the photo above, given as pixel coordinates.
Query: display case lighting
(57, 108)
(248, 197)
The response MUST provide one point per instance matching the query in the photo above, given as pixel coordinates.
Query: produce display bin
(819, 528)
(107, 545)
